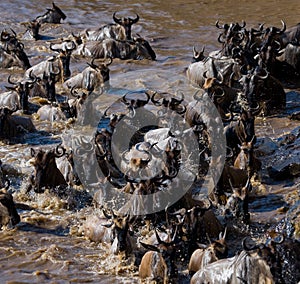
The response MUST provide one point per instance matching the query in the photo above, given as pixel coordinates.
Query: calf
(8, 211)
(208, 254)
(46, 173)
(158, 264)
(246, 159)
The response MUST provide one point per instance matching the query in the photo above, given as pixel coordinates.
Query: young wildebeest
(208, 254)
(158, 264)
(46, 173)
(8, 212)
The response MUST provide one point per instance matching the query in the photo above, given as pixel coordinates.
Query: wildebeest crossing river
(52, 244)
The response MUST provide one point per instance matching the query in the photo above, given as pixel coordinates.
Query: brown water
(47, 247)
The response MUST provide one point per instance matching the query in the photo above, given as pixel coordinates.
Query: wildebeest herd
(244, 79)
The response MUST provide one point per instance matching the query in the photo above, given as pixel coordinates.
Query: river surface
(47, 246)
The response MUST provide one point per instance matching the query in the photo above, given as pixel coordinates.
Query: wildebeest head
(237, 203)
(7, 128)
(54, 15)
(167, 250)
(64, 56)
(14, 48)
(46, 172)
(198, 55)
(8, 212)
(96, 76)
(121, 228)
(126, 23)
(33, 29)
(144, 50)
(22, 89)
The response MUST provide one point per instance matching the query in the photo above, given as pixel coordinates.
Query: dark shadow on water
(58, 231)
(266, 203)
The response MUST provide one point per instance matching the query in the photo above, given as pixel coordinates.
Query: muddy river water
(48, 246)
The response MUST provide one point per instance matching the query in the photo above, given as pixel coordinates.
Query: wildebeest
(17, 97)
(238, 202)
(261, 88)
(8, 211)
(121, 227)
(32, 30)
(12, 52)
(246, 159)
(53, 15)
(291, 35)
(240, 131)
(260, 263)
(158, 264)
(66, 166)
(230, 177)
(46, 173)
(53, 113)
(121, 30)
(211, 66)
(12, 126)
(196, 225)
(208, 254)
(44, 86)
(137, 48)
(59, 64)
(91, 78)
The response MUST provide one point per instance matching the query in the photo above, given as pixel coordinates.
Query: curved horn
(197, 96)
(106, 214)
(54, 49)
(263, 77)
(155, 102)
(220, 75)
(15, 35)
(73, 92)
(57, 151)
(246, 247)
(73, 46)
(279, 239)
(283, 27)
(92, 65)
(133, 21)
(219, 38)
(4, 36)
(243, 24)
(10, 81)
(117, 20)
(183, 109)
(224, 235)
(218, 26)
(109, 62)
(32, 77)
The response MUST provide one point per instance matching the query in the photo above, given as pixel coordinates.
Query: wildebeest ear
(10, 88)
(32, 152)
(150, 247)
